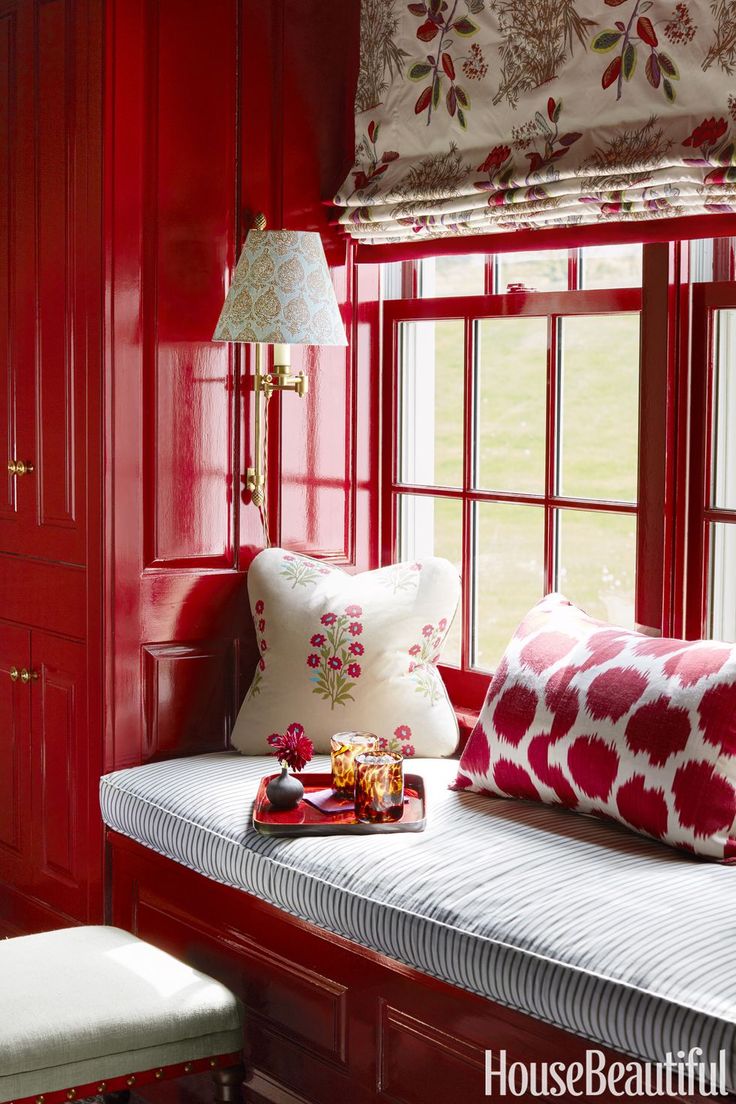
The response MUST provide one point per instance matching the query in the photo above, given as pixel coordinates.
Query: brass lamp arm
(265, 384)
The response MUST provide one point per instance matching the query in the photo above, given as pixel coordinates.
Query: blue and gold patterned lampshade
(282, 293)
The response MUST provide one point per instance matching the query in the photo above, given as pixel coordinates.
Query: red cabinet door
(61, 774)
(15, 755)
(43, 273)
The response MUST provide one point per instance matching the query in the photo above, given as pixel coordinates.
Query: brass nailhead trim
(159, 1073)
(71, 1094)
(40, 1099)
(213, 1063)
(187, 1067)
(131, 1080)
(102, 1086)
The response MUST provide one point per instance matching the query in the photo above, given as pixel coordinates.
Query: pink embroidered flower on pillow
(350, 652)
(610, 722)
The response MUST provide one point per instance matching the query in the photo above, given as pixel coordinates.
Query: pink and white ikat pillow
(607, 721)
(342, 652)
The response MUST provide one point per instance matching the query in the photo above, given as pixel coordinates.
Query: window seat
(576, 922)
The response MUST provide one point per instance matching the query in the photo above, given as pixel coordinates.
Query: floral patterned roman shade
(475, 116)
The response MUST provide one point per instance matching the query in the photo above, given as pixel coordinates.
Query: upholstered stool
(94, 1010)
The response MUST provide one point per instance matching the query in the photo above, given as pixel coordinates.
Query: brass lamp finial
(259, 222)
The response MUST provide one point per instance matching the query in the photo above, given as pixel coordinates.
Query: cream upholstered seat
(93, 1004)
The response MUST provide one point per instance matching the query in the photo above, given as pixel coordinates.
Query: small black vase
(284, 792)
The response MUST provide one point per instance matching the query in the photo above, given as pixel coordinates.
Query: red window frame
(706, 300)
(654, 300)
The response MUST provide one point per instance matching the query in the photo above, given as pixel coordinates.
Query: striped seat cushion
(574, 921)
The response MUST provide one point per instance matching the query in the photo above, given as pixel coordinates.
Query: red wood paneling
(48, 310)
(174, 578)
(43, 595)
(8, 368)
(187, 689)
(15, 754)
(328, 444)
(189, 213)
(64, 769)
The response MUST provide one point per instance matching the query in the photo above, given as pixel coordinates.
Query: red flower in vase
(292, 747)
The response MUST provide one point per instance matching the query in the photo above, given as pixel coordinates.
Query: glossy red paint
(327, 1019)
(565, 237)
(131, 539)
(707, 300)
(656, 408)
(50, 580)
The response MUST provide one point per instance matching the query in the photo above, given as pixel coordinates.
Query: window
(514, 450)
(565, 420)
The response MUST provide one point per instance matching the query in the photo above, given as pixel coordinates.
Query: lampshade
(282, 293)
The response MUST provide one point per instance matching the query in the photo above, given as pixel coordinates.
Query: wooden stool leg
(229, 1084)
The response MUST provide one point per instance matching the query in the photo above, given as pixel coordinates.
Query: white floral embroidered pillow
(346, 652)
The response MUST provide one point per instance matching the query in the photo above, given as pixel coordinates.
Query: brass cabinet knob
(19, 467)
(28, 676)
(14, 674)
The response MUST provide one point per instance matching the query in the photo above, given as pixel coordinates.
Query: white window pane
(724, 410)
(597, 563)
(722, 597)
(537, 271)
(509, 574)
(433, 527)
(431, 403)
(599, 406)
(452, 276)
(611, 266)
(511, 404)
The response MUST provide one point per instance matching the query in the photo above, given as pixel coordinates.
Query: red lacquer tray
(306, 820)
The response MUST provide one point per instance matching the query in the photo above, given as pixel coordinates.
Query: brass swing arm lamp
(281, 295)
(265, 384)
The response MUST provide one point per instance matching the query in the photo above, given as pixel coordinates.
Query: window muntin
(510, 557)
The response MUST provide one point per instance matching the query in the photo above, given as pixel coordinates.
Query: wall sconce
(281, 295)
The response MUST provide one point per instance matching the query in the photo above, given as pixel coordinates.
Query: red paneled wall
(137, 140)
(209, 120)
(328, 461)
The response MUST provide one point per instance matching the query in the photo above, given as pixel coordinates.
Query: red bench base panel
(328, 1022)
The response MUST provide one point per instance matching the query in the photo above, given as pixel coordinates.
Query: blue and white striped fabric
(576, 922)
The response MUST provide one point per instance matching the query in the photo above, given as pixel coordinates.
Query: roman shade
(481, 116)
